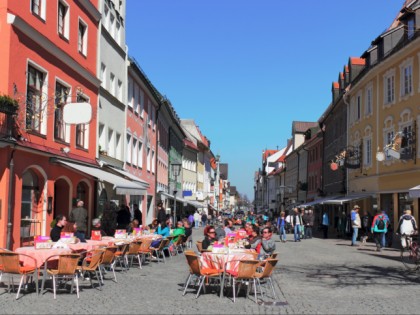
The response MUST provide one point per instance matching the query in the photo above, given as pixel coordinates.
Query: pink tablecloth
(39, 254)
(89, 245)
(231, 261)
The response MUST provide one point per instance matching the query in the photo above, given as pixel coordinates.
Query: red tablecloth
(39, 254)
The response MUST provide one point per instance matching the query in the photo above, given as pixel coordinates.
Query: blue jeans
(297, 232)
(197, 224)
(383, 240)
(354, 237)
(282, 233)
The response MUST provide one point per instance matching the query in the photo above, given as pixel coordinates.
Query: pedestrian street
(313, 276)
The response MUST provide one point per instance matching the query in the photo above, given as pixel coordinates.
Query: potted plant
(8, 105)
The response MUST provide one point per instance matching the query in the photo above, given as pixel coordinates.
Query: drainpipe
(157, 154)
(10, 202)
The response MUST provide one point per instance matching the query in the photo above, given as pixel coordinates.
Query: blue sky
(245, 70)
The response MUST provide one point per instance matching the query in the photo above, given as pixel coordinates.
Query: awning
(414, 192)
(345, 199)
(121, 185)
(132, 177)
(194, 203)
(317, 201)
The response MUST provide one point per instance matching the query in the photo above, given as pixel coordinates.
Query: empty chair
(121, 256)
(202, 274)
(133, 252)
(91, 264)
(108, 260)
(266, 274)
(62, 267)
(10, 265)
(145, 249)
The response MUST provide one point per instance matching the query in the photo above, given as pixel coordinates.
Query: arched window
(30, 193)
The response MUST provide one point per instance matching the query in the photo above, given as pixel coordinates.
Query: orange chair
(121, 256)
(133, 252)
(91, 264)
(145, 249)
(10, 265)
(196, 270)
(62, 267)
(269, 266)
(108, 260)
(160, 250)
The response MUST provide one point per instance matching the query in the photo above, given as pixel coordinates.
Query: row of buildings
(364, 147)
(127, 146)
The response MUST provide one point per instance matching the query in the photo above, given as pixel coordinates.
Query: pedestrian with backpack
(356, 224)
(379, 228)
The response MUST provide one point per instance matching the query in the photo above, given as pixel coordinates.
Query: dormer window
(410, 28)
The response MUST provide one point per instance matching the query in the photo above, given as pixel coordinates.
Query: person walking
(161, 213)
(356, 224)
(281, 225)
(79, 215)
(407, 225)
(197, 219)
(296, 223)
(379, 228)
(137, 213)
(385, 235)
(365, 226)
(123, 217)
(325, 223)
(204, 219)
(309, 223)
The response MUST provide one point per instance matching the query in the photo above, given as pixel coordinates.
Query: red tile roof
(336, 85)
(357, 61)
(190, 144)
(268, 153)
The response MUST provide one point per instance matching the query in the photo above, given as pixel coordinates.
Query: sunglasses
(211, 231)
(266, 232)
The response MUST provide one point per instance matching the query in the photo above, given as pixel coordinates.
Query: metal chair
(108, 260)
(121, 256)
(269, 266)
(202, 274)
(133, 252)
(10, 265)
(145, 249)
(160, 251)
(62, 267)
(90, 264)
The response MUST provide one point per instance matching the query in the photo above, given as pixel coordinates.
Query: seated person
(220, 232)
(228, 226)
(72, 228)
(210, 237)
(187, 227)
(268, 246)
(180, 230)
(96, 226)
(55, 233)
(163, 230)
(254, 240)
(133, 225)
(154, 225)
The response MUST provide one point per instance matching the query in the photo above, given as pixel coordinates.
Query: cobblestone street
(313, 276)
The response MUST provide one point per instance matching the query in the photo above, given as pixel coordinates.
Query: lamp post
(217, 187)
(176, 169)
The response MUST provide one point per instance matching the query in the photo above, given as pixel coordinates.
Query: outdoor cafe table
(229, 260)
(39, 254)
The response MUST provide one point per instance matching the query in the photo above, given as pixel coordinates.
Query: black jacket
(55, 233)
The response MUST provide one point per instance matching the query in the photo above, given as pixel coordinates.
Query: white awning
(345, 199)
(141, 182)
(194, 203)
(414, 192)
(317, 201)
(121, 185)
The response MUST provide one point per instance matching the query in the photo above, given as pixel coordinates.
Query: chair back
(273, 255)
(109, 255)
(67, 263)
(95, 259)
(134, 247)
(163, 244)
(270, 264)
(193, 261)
(144, 246)
(199, 245)
(179, 240)
(9, 262)
(247, 268)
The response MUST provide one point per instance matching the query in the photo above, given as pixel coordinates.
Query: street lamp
(176, 169)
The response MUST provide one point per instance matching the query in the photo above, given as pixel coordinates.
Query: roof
(267, 153)
(357, 61)
(302, 126)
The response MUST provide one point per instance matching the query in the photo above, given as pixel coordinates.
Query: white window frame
(111, 142)
(367, 148)
(67, 129)
(106, 17)
(141, 107)
(140, 154)
(40, 3)
(148, 159)
(128, 157)
(358, 106)
(135, 159)
(389, 88)
(102, 136)
(388, 134)
(118, 144)
(153, 161)
(112, 83)
(66, 22)
(82, 49)
(130, 90)
(103, 75)
(406, 78)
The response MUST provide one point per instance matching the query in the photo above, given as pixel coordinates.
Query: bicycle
(410, 254)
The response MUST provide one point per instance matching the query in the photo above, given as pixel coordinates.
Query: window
(135, 152)
(358, 106)
(153, 161)
(129, 149)
(63, 19)
(410, 28)
(130, 92)
(101, 137)
(111, 146)
(112, 83)
(140, 159)
(82, 129)
(368, 107)
(149, 112)
(118, 146)
(82, 38)
(38, 8)
(389, 87)
(61, 94)
(112, 25)
(367, 151)
(34, 110)
(119, 91)
(406, 69)
(103, 75)
(118, 32)
(389, 136)
(141, 107)
(148, 159)
(106, 17)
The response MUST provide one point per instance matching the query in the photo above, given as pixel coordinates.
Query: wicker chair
(62, 267)
(91, 264)
(121, 256)
(108, 260)
(145, 249)
(133, 252)
(244, 274)
(10, 265)
(269, 266)
(196, 270)
(160, 250)
(178, 244)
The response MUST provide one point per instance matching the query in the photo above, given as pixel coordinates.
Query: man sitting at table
(210, 237)
(268, 246)
(55, 233)
(96, 226)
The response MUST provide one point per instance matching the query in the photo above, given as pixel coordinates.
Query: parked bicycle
(410, 254)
